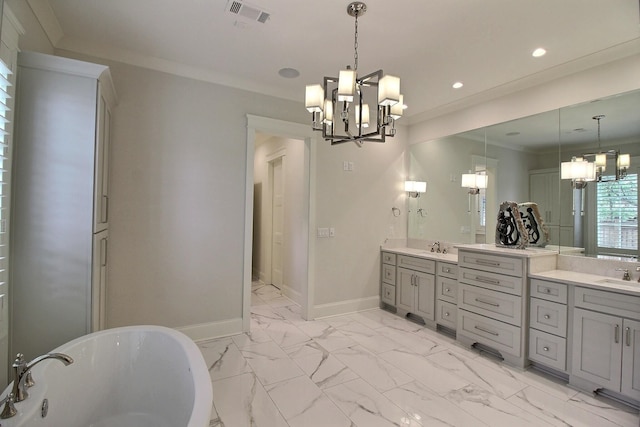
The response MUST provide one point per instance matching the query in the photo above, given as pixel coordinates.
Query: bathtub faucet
(22, 379)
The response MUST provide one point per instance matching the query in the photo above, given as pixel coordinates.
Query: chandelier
(340, 108)
(581, 170)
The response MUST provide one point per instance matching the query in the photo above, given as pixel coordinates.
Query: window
(617, 216)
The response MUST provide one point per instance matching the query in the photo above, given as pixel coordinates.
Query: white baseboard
(292, 294)
(208, 331)
(345, 307)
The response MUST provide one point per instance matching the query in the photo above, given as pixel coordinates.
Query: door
(597, 349)
(425, 298)
(277, 223)
(405, 289)
(631, 359)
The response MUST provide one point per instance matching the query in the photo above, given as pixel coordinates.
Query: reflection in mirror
(604, 214)
(599, 220)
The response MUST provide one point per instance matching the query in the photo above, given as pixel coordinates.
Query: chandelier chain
(355, 45)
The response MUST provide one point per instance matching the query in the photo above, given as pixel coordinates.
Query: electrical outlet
(332, 232)
(323, 232)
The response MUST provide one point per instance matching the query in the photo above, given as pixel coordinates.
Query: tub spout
(22, 379)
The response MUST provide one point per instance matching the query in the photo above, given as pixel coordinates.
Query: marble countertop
(523, 253)
(590, 281)
(424, 253)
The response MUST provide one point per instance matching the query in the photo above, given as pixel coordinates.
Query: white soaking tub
(138, 376)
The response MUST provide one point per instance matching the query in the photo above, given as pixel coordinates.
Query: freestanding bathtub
(138, 376)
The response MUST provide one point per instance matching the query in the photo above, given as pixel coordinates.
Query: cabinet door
(101, 192)
(405, 289)
(597, 348)
(631, 359)
(99, 280)
(425, 301)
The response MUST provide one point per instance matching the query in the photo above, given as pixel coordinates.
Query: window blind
(5, 133)
(617, 218)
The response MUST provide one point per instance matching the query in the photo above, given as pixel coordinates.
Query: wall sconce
(474, 182)
(414, 188)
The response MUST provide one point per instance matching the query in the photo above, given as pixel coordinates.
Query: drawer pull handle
(486, 330)
(617, 334)
(446, 314)
(487, 263)
(546, 316)
(446, 270)
(494, 304)
(488, 280)
(545, 348)
(627, 332)
(547, 290)
(447, 290)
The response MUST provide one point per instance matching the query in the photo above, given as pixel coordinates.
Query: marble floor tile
(374, 368)
(420, 368)
(242, 401)
(326, 335)
(270, 363)
(367, 407)
(302, 403)
(491, 409)
(560, 412)
(494, 380)
(430, 409)
(376, 371)
(223, 359)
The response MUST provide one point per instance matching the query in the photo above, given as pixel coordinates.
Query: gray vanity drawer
(447, 289)
(389, 294)
(548, 316)
(498, 282)
(388, 258)
(389, 274)
(548, 349)
(608, 302)
(496, 334)
(418, 264)
(447, 270)
(551, 291)
(493, 263)
(446, 314)
(497, 305)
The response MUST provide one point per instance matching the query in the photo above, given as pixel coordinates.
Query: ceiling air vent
(247, 11)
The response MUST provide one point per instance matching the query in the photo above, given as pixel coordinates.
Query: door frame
(287, 130)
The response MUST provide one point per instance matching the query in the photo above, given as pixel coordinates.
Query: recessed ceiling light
(457, 85)
(289, 73)
(539, 52)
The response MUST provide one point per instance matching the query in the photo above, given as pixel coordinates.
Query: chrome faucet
(434, 245)
(22, 379)
(625, 273)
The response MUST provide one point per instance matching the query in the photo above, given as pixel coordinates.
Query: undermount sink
(617, 282)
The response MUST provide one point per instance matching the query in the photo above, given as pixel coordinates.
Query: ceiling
(430, 44)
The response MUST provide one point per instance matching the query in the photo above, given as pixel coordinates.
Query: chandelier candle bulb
(397, 108)
(314, 98)
(365, 116)
(389, 90)
(346, 85)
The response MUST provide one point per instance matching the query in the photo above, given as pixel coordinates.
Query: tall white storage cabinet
(60, 201)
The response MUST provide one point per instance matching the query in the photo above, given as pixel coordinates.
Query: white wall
(295, 239)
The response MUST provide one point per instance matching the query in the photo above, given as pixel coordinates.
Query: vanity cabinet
(447, 294)
(416, 286)
(388, 279)
(490, 303)
(606, 340)
(548, 323)
(60, 204)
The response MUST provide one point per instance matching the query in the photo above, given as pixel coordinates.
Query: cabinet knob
(446, 314)
(447, 270)
(447, 290)
(545, 348)
(546, 316)
(547, 290)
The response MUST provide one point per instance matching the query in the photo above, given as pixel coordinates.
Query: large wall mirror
(522, 159)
